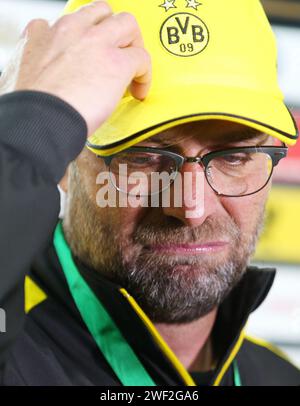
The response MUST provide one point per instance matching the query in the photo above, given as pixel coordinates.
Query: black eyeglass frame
(276, 153)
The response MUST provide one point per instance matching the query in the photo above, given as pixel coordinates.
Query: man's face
(178, 268)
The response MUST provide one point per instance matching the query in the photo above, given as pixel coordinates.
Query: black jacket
(49, 344)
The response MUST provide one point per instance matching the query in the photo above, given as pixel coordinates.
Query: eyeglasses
(233, 172)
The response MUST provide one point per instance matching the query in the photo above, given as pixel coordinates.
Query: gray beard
(179, 290)
(169, 289)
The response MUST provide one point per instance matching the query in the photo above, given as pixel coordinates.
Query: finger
(141, 73)
(83, 18)
(74, 25)
(68, 30)
(121, 30)
(35, 29)
(35, 38)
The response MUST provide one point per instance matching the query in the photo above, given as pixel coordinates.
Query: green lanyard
(103, 329)
(109, 339)
(236, 374)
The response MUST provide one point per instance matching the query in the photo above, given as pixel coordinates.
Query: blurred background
(278, 319)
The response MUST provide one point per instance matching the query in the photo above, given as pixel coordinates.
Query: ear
(64, 181)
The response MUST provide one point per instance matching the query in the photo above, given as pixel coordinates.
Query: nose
(195, 200)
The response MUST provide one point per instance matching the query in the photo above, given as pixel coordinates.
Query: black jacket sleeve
(40, 135)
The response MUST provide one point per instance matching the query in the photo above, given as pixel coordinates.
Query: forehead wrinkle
(254, 136)
(173, 136)
(171, 140)
(243, 134)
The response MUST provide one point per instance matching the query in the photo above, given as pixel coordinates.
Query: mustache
(171, 232)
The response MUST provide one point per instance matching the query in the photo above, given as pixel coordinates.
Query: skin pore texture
(179, 288)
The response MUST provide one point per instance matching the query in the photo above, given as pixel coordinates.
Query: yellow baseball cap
(211, 59)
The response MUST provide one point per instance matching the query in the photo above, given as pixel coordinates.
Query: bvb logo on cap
(183, 33)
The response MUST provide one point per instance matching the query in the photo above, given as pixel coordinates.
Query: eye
(147, 162)
(141, 159)
(236, 159)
